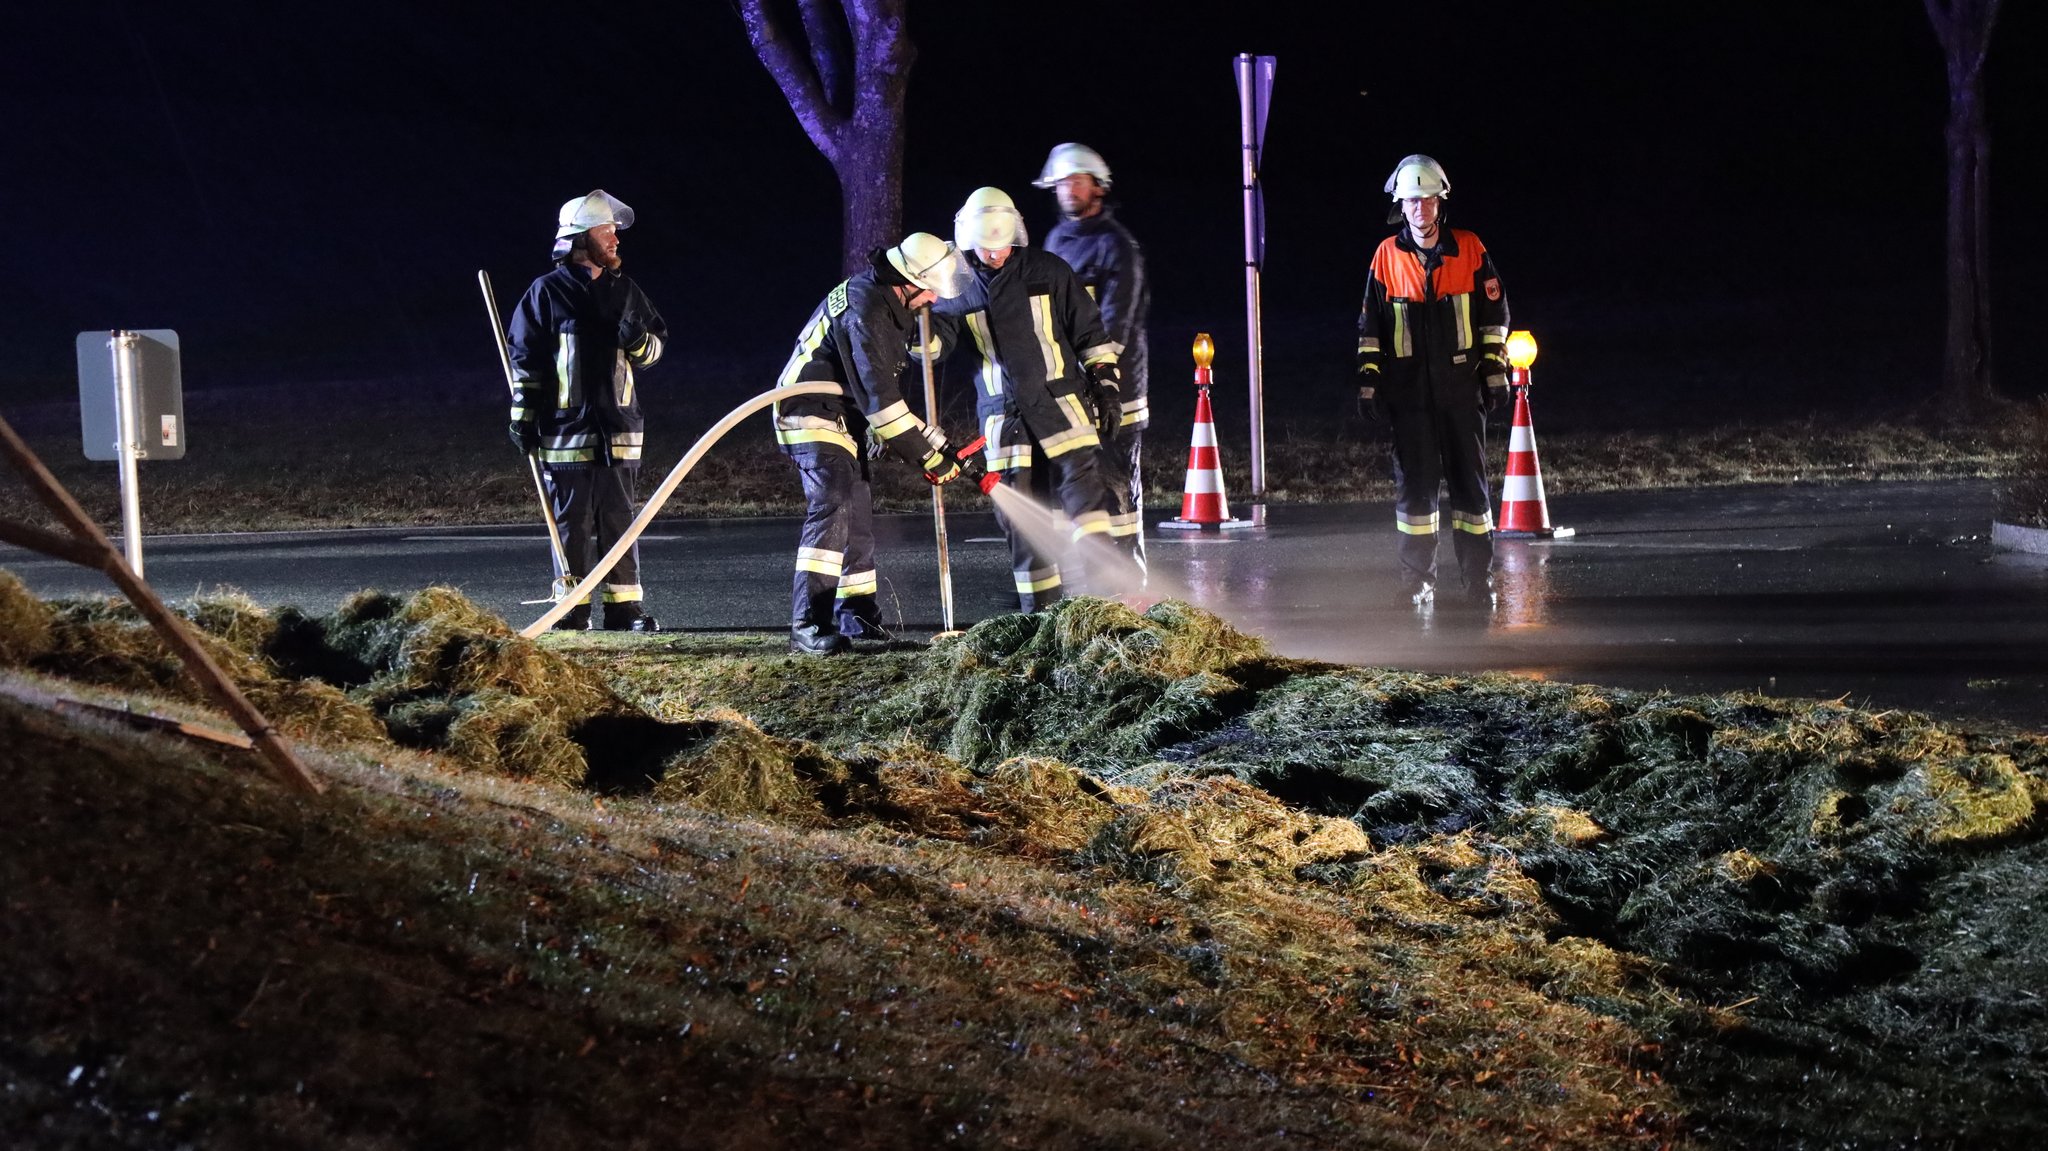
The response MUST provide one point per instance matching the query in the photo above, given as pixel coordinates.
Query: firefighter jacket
(859, 338)
(1107, 260)
(571, 376)
(1434, 324)
(1038, 333)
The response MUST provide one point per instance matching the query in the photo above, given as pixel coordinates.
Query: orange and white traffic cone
(1524, 513)
(1203, 505)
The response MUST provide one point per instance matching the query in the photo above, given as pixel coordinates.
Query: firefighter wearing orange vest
(1431, 362)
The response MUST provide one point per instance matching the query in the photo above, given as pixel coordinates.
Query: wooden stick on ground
(88, 546)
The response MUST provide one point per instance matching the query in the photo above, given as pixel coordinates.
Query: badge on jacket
(1493, 289)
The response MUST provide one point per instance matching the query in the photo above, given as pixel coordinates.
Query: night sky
(1734, 207)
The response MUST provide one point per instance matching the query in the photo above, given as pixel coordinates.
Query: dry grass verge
(1091, 878)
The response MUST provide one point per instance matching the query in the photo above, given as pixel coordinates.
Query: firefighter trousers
(593, 506)
(835, 555)
(1077, 484)
(1120, 467)
(1442, 448)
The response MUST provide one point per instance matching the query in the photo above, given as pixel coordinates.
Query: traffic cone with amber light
(1203, 506)
(1524, 513)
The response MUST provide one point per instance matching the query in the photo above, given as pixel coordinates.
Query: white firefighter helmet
(989, 219)
(586, 212)
(1418, 177)
(928, 262)
(1068, 159)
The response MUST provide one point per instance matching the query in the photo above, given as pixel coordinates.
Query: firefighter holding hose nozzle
(1048, 390)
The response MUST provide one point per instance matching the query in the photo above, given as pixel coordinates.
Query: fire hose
(581, 592)
(704, 443)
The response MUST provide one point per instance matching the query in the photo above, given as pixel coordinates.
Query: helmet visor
(599, 207)
(933, 266)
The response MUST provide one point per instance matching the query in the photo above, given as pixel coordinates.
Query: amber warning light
(1521, 349)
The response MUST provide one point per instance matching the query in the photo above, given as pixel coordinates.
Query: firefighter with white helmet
(575, 341)
(858, 337)
(1047, 389)
(1431, 362)
(1111, 266)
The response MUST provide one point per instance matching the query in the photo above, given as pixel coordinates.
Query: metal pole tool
(931, 415)
(547, 511)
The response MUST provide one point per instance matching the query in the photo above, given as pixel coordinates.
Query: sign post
(131, 407)
(1254, 97)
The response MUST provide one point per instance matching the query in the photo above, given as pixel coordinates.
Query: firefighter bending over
(1432, 362)
(578, 334)
(857, 338)
(1046, 392)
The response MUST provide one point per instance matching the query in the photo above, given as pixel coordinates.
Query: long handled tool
(931, 415)
(547, 511)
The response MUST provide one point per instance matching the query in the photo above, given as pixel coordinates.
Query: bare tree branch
(846, 82)
(792, 72)
(826, 29)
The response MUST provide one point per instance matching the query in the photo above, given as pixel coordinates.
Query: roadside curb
(2014, 538)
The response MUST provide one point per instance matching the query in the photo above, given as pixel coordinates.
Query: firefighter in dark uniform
(579, 333)
(1107, 259)
(858, 338)
(1046, 390)
(1431, 361)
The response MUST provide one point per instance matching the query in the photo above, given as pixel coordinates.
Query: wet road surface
(1888, 594)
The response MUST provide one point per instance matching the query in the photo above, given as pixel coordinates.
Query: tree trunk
(1964, 29)
(846, 83)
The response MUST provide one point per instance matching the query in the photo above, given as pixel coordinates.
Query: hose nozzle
(988, 480)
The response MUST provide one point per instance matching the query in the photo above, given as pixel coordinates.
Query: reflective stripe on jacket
(572, 378)
(1110, 265)
(1038, 332)
(857, 337)
(1431, 320)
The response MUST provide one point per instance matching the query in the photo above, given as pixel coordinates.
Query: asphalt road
(1888, 594)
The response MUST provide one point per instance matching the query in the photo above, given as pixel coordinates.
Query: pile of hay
(1867, 884)
(445, 675)
(1089, 682)
(430, 671)
(106, 642)
(26, 624)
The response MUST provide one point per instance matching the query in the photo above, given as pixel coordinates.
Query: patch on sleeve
(1493, 289)
(835, 304)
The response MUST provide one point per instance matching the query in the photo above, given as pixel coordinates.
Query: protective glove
(1494, 381)
(1105, 389)
(631, 333)
(941, 466)
(1369, 405)
(525, 436)
(1369, 408)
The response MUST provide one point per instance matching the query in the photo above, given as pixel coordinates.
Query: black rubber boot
(629, 617)
(1419, 592)
(1478, 593)
(576, 619)
(814, 639)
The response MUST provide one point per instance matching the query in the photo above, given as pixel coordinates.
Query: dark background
(1724, 211)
